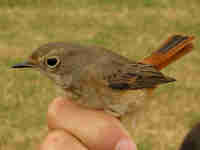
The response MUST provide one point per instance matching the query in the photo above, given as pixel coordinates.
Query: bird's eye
(52, 62)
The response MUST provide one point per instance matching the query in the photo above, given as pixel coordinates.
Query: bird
(97, 78)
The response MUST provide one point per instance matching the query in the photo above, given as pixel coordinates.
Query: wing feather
(136, 76)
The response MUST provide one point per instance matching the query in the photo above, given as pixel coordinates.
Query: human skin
(76, 128)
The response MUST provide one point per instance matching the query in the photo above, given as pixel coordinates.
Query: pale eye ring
(52, 62)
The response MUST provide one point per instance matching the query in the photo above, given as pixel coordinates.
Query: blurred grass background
(133, 28)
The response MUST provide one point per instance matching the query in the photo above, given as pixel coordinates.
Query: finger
(60, 140)
(95, 129)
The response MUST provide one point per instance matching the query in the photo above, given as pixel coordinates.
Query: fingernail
(125, 144)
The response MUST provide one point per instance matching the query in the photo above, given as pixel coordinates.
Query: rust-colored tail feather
(174, 48)
(171, 50)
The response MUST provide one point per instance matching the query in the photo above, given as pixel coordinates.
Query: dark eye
(52, 62)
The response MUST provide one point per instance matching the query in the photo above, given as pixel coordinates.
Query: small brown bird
(99, 78)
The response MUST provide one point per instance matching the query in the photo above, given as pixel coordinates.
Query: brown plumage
(137, 76)
(99, 78)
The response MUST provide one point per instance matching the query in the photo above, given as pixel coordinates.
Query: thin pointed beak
(25, 64)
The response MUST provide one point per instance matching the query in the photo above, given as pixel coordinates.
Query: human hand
(76, 128)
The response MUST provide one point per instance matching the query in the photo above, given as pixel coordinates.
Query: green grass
(131, 28)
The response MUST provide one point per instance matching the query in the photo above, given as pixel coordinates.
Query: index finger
(96, 129)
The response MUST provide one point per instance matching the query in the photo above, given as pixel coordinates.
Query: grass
(131, 28)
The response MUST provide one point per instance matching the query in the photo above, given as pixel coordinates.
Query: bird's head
(56, 60)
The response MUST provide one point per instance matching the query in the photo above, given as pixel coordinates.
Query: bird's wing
(136, 76)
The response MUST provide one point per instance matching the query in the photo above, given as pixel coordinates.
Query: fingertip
(57, 105)
(57, 102)
(125, 144)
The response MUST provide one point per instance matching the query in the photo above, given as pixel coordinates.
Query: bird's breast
(116, 102)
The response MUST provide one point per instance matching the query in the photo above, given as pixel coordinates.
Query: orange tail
(174, 48)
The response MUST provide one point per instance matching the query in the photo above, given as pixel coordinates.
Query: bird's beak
(25, 64)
